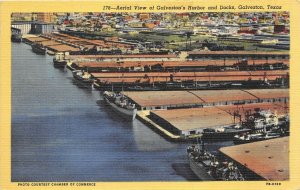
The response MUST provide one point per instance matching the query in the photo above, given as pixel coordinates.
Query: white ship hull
(125, 113)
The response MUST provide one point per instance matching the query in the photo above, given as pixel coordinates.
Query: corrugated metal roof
(159, 98)
(269, 159)
(229, 74)
(211, 117)
(63, 47)
(171, 63)
(237, 53)
(121, 56)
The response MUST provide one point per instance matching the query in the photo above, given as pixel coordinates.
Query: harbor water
(62, 131)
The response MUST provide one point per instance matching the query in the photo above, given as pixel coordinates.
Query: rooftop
(269, 159)
(211, 117)
(236, 53)
(192, 75)
(63, 48)
(160, 98)
(121, 56)
(124, 64)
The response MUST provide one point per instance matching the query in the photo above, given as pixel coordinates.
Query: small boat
(83, 76)
(121, 104)
(16, 38)
(38, 49)
(209, 168)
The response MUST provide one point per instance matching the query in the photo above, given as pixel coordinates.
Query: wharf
(173, 65)
(150, 100)
(268, 159)
(192, 80)
(50, 44)
(187, 122)
(143, 117)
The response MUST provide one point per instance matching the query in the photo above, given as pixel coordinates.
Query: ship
(265, 125)
(83, 77)
(208, 167)
(16, 38)
(38, 49)
(59, 61)
(224, 133)
(248, 138)
(121, 104)
(260, 120)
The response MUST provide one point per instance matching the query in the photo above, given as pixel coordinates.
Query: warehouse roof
(63, 48)
(160, 98)
(236, 53)
(202, 63)
(195, 118)
(121, 56)
(211, 117)
(269, 159)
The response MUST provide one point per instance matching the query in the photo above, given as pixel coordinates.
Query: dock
(188, 122)
(152, 100)
(160, 65)
(143, 117)
(268, 159)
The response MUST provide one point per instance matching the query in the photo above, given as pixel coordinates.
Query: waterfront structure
(204, 98)
(237, 55)
(268, 159)
(191, 121)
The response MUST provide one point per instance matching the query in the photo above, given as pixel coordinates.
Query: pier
(268, 159)
(193, 121)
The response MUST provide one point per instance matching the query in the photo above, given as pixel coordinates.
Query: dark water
(63, 132)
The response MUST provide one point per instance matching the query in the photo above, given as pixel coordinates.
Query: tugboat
(83, 77)
(38, 48)
(121, 104)
(209, 168)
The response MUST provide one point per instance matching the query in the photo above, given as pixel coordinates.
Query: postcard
(149, 95)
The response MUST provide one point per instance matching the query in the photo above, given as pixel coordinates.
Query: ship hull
(200, 170)
(222, 136)
(38, 50)
(125, 113)
(59, 64)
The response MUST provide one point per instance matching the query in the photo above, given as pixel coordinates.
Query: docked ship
(248, 138)
(262, 120)
(224, 133)
(59, 61)
(38, 49)
(16, 38)
(83, 77)
(265, 125)
(121, 104)
(208, 167)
